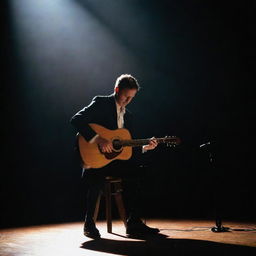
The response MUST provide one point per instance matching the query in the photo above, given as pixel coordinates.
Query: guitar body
(92, 156)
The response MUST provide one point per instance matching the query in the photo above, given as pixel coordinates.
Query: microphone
(205, 144)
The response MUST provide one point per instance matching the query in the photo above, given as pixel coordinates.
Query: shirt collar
(118, 107)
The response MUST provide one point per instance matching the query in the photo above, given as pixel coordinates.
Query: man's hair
(127, 81)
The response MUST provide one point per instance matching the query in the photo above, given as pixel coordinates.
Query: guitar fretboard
(141, 142)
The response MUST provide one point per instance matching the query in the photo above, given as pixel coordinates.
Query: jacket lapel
(113, 108)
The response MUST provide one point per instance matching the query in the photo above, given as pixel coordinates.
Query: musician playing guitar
(103, 115)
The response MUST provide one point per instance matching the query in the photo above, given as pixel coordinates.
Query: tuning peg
(169, 144)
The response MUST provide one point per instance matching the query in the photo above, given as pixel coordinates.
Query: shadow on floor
(167, 246)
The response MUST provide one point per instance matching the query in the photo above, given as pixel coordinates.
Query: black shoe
(139, 228)
(91, 231)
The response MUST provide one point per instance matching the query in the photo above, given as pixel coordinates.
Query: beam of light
(67, 56)
(63, 45)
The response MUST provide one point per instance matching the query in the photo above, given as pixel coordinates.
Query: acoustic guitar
(122, 141)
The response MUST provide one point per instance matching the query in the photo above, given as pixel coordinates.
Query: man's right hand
(105, 145)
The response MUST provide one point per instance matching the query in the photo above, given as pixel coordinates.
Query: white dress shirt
(120, 115)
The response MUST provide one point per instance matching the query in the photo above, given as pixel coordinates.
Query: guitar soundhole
(117, 149)
(116, 145)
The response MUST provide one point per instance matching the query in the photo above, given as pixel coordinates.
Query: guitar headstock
(172, 141)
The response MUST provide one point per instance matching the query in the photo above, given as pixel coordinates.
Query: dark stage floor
(177, 237)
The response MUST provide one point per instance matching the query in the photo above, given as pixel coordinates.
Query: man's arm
(85, 116)
(81, 122)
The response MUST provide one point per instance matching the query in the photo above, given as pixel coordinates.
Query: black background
(195, 62)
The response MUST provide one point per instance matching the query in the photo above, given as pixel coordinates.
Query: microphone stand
(218, 228)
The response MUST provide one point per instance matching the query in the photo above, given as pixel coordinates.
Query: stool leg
(108, 206)
(120, 203)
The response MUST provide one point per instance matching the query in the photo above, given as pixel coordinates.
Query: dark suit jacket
(102, 110)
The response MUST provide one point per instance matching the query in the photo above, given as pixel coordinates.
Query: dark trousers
(132, 177)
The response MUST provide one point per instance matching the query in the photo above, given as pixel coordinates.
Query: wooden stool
(113, 187)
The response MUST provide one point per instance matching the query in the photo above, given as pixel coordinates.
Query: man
(110, 112)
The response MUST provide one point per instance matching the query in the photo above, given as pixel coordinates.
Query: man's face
(125, 96)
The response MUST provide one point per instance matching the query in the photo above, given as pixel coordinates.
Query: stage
(177, 237)
(195, 64)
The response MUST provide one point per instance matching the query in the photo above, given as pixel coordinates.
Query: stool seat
(113, 187)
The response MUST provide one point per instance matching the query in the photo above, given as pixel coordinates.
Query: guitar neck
(141, 142)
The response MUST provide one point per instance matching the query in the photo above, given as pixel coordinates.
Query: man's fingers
(109, 149)
(153, 142)
(106, 147)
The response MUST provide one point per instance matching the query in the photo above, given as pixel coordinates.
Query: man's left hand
(152, 144)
